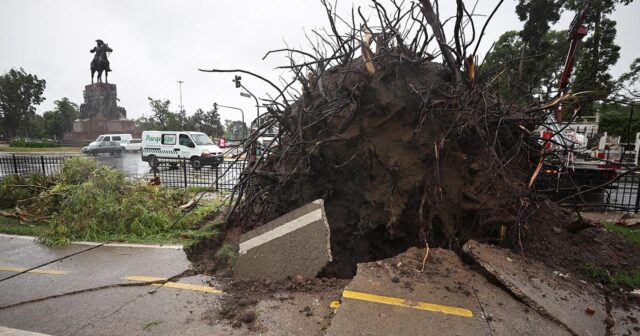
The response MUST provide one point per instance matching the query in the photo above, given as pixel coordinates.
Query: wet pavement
(106, 291)
(396, 297)
(571, 302)
(93, 293)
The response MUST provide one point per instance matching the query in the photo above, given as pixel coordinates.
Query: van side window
(168, 139)
(116, 138)
(185, 140)
(106, 139)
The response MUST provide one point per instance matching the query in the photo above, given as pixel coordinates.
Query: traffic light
(215, 107)
(237, 81)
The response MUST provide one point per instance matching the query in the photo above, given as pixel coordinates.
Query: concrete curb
(83, 243)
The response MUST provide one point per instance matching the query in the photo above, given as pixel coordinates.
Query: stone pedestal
(99, 114)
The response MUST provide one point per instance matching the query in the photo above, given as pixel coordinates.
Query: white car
(133, 145)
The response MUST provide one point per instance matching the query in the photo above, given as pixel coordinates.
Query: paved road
(188, 306)
(394, 297)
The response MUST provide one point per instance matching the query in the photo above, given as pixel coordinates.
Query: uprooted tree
(404, 151)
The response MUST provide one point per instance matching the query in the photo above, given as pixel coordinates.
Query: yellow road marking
(37, 270)
(171, 284)
(406, 303)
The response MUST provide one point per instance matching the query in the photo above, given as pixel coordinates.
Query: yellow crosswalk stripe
(406, 303)
(178, 285)
(37, 270)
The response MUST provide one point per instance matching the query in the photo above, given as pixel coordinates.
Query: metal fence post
(44, 171)
(15, 164)
(216, 168)
(184, 165)
(637, 181)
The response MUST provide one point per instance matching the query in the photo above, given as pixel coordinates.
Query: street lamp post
(237, 80)
(216, 105)
(181, 106)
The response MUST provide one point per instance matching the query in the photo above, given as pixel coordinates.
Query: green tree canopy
(20, 93)
(163, 119)
(235, 129)
(538, 76)
(628, 85)
(598, 53)
(60, 120)
(207, 122)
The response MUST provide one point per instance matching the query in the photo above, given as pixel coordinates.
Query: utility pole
(181, 106)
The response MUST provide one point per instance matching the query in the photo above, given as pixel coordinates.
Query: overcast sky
(158, 42)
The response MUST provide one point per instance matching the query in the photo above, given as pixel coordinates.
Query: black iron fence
(595, 190)
(170, 172)
(25, 165)
(180, 173)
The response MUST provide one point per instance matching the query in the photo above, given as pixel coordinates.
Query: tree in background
(20, 93)
(537, 45)
(628, 85)
(207, 122)
(60, 120)
(539, 52)
(598, 53)
(163, 119)
(235, 129)
(524, 79)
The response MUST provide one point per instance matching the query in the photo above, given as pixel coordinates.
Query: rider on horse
(100, 62)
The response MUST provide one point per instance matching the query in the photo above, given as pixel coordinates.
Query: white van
(195, 146)
(121, 138)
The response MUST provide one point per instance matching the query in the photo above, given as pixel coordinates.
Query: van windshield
(201, 139)
(99, 138)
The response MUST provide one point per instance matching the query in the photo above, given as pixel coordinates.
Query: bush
(14, 188)
(28, 143)
(76, 170)
(99, 203)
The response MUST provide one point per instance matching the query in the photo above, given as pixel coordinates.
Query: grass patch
(33, 143)
(13, 226)
(227, 254)
(601, 275)
(91, 203)
(632, 233)
(62, 149)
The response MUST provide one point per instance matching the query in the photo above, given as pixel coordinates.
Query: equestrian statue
(100, 62)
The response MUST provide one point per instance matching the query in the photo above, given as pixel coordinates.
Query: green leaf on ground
(633, 233)
(151, 324)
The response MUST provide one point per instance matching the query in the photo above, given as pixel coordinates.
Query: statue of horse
(100, 63)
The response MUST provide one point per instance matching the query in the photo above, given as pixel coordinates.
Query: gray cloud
(157, 43)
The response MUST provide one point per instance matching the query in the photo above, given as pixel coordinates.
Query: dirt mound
(407, 152)
(398, 161)
(561, 240)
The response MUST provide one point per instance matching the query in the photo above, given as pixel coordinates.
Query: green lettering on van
(150, 138)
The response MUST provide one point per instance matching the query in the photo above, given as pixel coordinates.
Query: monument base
(99, 114)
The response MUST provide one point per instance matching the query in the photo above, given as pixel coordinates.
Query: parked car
(120, 138)
(96, 148)
(133, 145)
(197, 147)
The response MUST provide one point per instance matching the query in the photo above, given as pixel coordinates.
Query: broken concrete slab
(297, 243)
(574, 304)
(392, 297)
